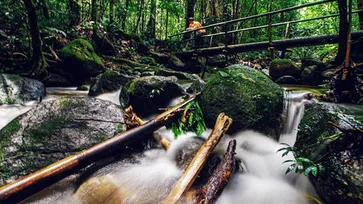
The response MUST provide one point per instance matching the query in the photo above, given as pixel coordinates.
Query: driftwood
(191, 173)
(219, 179)
(30, 184)
(134, 120)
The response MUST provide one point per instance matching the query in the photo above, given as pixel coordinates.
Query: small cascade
(114, 97)
(294, 106)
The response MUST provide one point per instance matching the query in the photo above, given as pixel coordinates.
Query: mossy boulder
(340, 154)
(147, 94)
(107, 82)
(247, 95)
(309, 62)
(282, 67)
(80, 59)
(53, 130)
(311, 75)
(17, 89)
(175, 63)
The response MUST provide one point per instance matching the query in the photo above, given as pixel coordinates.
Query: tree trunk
(343, 32)
(189, 12)
(43, 5)
(141, 6)
(74, 12)
(151, 24)
(112, 3)
(124, 17)
(360, 14)
(166, 24)
(39, 63)
(94, 10)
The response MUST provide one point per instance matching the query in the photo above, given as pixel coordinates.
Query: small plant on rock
(191, 120)
(301, 164)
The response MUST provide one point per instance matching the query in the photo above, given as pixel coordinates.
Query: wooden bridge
(230, 48)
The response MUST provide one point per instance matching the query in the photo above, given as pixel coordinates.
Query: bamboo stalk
(28, 185)
(185, 182)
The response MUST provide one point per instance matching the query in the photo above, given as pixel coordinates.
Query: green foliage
(155, 92)
(191, 120)
(301, 164)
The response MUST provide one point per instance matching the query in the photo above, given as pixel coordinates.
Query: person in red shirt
(194, 25)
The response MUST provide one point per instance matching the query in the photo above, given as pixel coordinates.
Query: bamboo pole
(28, 185)
(185, 182)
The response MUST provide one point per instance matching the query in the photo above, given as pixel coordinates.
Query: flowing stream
(148, 177)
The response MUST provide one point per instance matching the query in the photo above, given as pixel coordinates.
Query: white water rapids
(151, 175)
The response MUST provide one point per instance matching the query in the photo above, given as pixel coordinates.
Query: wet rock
(328, 74)
(17, 89)
(147, 94)
(217, 60)
(108, 82)
(282, 67)
(147, 60)
(246, 95)
(175, 63)
(196, 86)
(340, 154)
(195, 64)
(310, 62)
(178, 74)
(53, 130)
(82, 88)
(80, 60)
(311, 76)
(103, 44)
(159, 57)
(286, 80)
(57, 80)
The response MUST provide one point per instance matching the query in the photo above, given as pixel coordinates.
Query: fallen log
(28, 185)
(219, 179)
(191, 173)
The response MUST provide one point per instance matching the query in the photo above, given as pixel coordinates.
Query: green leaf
(284, 154)
(314, 170)
(284, 148)
(304, 160)
(308, 170)
(223, 74)
(291, 168)
(288, 161)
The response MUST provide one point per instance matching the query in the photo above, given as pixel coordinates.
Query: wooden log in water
(30, 184)
(191, 173)
(219, 179)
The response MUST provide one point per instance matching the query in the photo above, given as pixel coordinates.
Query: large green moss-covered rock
(282, 67)
(81, 61)
(147, 94)
(53, 130)
(247, 95)
(340, 154)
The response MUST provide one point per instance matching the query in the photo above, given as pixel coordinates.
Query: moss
(66, 103)
(281, 61)
(120, 128)
(6, 134)
(148, 60)
(82, 88)
(48, 128)
(81, 50)
(245, 94)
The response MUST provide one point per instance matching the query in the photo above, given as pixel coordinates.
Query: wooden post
(226, 42)
(270, 33)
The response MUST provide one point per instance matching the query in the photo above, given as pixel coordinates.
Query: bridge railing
(225, 24)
